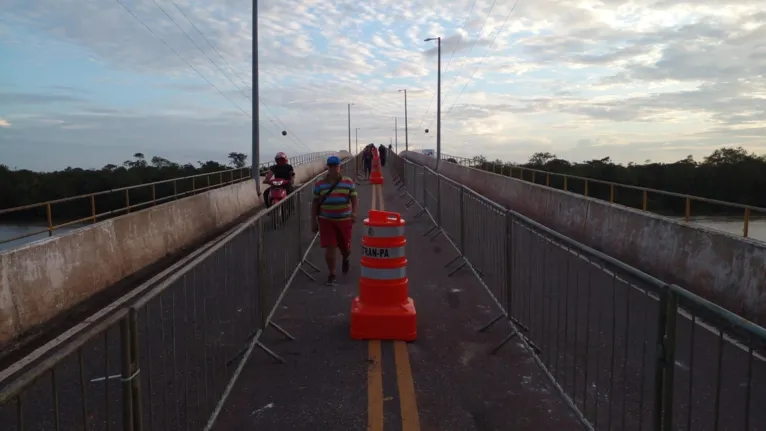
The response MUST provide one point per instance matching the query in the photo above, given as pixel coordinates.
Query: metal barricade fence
(624, 349)
(168, 360)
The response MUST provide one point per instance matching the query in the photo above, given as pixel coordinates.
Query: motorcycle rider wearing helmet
(281, 170)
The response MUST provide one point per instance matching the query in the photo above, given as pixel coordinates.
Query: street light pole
(406, 132)
(438, 123)
(256, 144)
(438, 99)
(349, 126)
(356, 137)
(396, 135)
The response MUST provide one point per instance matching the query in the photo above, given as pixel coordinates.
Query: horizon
(85, 83)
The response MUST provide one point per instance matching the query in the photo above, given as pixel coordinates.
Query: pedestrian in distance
(382, 154)
(334, 212)
(367, 159)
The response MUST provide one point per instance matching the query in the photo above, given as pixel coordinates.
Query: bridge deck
(458, 385)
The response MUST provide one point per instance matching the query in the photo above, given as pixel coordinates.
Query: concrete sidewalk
(457, 384)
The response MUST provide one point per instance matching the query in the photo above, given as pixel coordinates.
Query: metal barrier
(577, 184)
(626, 350)
(168, 360)
(155, 193)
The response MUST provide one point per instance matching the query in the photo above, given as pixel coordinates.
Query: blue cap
(333, 160)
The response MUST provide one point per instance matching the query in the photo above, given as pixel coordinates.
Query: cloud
(90, 84)
(4, 123)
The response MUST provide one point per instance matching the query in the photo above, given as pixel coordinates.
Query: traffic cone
(383, 311)
(376, 176)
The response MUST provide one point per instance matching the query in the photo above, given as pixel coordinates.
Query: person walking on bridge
(367, 159)
(334, 212)
(382, 153)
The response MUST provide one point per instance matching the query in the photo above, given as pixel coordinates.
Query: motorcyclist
(281, 170)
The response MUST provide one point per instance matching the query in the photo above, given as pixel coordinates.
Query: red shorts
(335, 233)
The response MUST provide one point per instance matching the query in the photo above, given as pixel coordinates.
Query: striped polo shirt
(337, 206)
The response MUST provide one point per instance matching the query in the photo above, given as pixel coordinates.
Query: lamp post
(396, 135)
(438, 123)
(406, 132)
(256, 96)
(349, 127)
(438, 99)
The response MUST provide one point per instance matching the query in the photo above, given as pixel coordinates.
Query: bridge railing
(584, 185)
(100, 205)
(167, 358)
(626, 350)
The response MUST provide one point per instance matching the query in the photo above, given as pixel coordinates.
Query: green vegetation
(25, 187)
(728, 174)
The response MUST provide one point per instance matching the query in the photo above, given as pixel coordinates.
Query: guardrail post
(262, 308)
(508, 263)
(127, 200)
(127, 399)
(665, 361)
(425, 194)
(747, 222)
(462, 220)
(439, 199)
(93, 207)
(49, 216)
(135, 381)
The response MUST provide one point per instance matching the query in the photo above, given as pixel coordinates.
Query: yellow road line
(407, 399)
(374, 197)
(375, 388)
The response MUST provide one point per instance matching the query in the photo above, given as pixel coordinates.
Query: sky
(90, 82)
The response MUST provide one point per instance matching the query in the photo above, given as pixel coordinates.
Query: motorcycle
(278, 193)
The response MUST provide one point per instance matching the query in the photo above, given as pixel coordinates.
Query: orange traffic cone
(383, 311)
(376, 176)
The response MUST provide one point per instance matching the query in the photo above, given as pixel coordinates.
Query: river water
(757, 230)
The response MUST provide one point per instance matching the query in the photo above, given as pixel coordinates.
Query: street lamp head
(431, 38)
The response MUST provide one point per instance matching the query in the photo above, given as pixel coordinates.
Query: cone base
(383, 323)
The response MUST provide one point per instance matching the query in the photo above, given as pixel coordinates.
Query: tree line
(727, 174)
(25, 187)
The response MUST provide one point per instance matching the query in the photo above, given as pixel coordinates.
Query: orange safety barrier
(376, 176)
(383, 311)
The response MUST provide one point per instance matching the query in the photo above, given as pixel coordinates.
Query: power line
(502, 27)
(461, 38)
(450, 60)
(182, 58)
(210, 44)
(295, 138)
(207, 56)
(462, 63)
(199, 48)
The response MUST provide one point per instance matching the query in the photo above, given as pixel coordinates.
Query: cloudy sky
(86, 83)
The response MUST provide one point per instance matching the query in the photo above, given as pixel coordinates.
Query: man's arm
(315, 201)
(354, 196)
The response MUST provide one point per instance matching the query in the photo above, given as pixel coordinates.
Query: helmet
(280, 156)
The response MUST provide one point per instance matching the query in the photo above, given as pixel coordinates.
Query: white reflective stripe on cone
(384, 232)
(383, 252)
(384, 274)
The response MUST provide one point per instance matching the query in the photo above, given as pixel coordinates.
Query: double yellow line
(407, 400)
(404, 380)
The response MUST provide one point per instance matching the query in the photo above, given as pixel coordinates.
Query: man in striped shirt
(334, 208)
